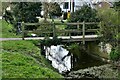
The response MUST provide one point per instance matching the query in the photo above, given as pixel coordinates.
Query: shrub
(115, 54)
(48, 42)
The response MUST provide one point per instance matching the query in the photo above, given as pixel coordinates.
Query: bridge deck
(64, 38)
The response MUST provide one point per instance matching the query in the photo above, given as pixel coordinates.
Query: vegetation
(27, 11)
(86, 14)
(75, 49)
(22, 59)
(109, 30)
(7, 30)
(55, 9)
(115, 54)
(48, 42)
(23, 12)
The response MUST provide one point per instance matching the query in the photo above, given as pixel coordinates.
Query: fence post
(54, 34)
(23, 30)
(83, 31)
(78, 25)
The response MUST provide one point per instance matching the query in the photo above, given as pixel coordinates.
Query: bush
(109, 26)
(76, 50)
(115, 54)
(86, 14)
(48, 42)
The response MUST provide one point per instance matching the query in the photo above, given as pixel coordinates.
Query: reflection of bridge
(55, 31)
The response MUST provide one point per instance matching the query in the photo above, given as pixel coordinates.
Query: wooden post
(78, 25)
(54, 34)
(83, 31)
(23, 30)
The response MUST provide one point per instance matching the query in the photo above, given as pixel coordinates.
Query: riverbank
(101, 72)
(22, 59)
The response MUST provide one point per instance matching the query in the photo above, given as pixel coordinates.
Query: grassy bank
(7, 30)
(22, 59)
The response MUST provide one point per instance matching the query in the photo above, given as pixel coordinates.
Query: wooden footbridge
(60, 33)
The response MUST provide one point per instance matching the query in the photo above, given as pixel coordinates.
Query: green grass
(16, 65)
(20, 46)
(7, 30)
(22, 59)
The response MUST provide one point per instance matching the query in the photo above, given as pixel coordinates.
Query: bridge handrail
(54, 29)
(73, 23)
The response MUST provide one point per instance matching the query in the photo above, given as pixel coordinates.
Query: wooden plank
(74, 23)
(61, 31)
(91, 30)
(68, 31)
(29, 24)
(91, 22)
(39, 31)
(79, 40)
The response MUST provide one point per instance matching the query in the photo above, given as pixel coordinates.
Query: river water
(87, 60)
(62, 60)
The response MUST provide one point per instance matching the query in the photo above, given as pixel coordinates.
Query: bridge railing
(54, 30)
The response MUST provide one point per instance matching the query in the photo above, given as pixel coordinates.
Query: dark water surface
(87, 61)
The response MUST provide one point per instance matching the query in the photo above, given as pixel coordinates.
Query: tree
(8, 17)
(55, 9)
(45, 8)
(86, 14)
(26, 12)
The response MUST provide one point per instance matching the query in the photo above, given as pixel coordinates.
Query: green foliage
(75, 49)
(109, 25)
(8, 17)
(110, 29)
(86, 14)
(45, 28)
(26, 12)
(7, 30)
(115, 54)
(117, 5)
(48, 42)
